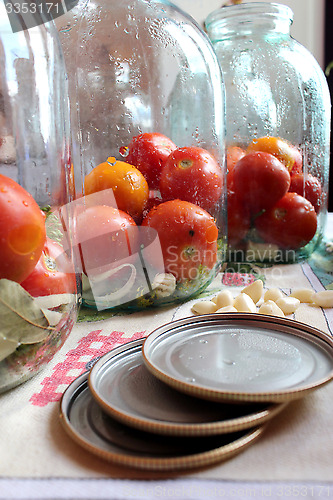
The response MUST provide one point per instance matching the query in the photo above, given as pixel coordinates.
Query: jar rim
(239, 12)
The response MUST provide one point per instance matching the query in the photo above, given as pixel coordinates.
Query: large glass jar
(148, 130)
(278, 119)
(38, 286)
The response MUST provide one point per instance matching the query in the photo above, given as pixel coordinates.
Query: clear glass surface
(274, 88)
(142, 68)
(38, 283)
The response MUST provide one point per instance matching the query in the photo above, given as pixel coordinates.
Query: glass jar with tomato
(148, 124)
(38, 285)
(278, 129)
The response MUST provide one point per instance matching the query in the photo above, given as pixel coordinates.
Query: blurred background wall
(308, 27)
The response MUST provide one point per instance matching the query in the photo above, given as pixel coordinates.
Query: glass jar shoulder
(273, 58)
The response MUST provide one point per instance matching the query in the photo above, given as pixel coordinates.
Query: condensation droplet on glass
(66, 29)
(111, 161)
(195, 134)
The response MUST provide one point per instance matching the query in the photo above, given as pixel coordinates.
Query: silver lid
(240, 357)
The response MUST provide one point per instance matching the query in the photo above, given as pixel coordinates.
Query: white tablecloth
(293, 458)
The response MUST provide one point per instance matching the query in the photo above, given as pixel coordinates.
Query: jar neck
(249, 19)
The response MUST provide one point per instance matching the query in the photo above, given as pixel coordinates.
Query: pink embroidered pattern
(237, 279)
(78, 360)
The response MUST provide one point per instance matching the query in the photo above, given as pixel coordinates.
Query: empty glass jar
(278, 128)
(38, 286)
(147, 103)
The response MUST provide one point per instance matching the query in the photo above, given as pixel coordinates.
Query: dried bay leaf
(56, 300)
(22, 320)
(7, 347)
(53, 317)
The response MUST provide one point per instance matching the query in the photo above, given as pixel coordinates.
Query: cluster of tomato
(269, 196)
(27, 255)
(175, 192)
(161, 187)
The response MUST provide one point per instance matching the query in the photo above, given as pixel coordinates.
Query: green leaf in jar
(54, 228)
(7, 347)
(22, 321)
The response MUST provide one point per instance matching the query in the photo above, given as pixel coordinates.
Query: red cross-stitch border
(78, 360)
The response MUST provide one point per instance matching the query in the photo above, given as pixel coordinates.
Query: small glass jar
(278, 119)
(38, 285)
(146, 91)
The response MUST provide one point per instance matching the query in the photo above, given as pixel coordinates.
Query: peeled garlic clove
(224, 298)
(164, 285)
(244, 303)
(254, 290)
(204, 307)
(227, 309)
(271, 309)
(288, 304)
(303, 294)
(273, 294)
(323, 299)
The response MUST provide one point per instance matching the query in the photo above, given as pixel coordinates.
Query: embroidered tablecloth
(293, 457)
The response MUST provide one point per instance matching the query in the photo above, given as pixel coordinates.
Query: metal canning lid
(240, 357)
(91, 428)
(121, 384)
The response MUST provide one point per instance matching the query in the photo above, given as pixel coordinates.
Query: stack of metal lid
(196, 391)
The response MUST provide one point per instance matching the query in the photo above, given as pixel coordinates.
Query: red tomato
(308, 186)
(154, 199)
(22, 231)
(105, 236)
(260, 180)
(239, 222)
(234, 154)
(188, 238)
(291, 223)
(192, 174)
(148, 152)
(284, 151)
(53, 273)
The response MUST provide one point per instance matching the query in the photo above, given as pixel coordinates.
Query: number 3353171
(32, 8)
(307, 491)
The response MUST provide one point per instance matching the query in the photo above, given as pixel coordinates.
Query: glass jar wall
(278, 126)
(38, 286)
(148, 124)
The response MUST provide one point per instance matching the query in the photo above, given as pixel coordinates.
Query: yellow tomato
(287, 153)
(129, 186)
